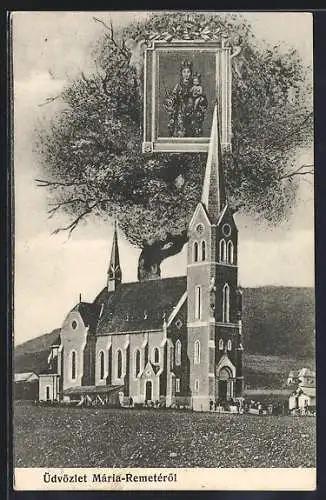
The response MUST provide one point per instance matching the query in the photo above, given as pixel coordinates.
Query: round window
(200, 228)
(226, 229)
(74, 324)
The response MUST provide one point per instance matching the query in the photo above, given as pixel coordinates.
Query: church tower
(114, 271)
(214, 301)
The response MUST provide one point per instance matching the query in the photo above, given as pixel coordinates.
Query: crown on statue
(186, 64)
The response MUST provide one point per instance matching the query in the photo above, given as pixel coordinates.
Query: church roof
(309, 391)
(25, 377)
(92, 389)
(214, 194)
(89, 313)
(139, 306)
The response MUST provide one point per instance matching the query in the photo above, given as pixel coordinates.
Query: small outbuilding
(303, 400)
(26, 386)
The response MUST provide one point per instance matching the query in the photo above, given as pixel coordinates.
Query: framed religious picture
(182, 82)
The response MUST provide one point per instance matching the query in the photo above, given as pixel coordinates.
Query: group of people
(233, 405)
(245, 406)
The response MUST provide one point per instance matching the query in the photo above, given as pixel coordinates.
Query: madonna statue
(186, 104)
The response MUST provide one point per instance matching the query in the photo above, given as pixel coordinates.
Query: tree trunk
(153, 254)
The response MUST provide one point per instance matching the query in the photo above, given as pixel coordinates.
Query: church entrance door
(222, 390)
(148, 396)
(224, 386)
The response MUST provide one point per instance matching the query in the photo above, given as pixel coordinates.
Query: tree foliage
(91, 153)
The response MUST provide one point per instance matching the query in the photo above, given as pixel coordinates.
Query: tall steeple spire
(213, 195)
(114, 271)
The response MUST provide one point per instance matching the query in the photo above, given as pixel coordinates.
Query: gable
(200, 215)
(226, 217)
(225, 362)
(177, 308)
(150, 370)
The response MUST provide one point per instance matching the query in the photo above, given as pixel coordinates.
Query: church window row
(177, 385)
(226, 252)
(199, 251)
(137, 362)
(137, 358)
(225, 306)
(221, 345)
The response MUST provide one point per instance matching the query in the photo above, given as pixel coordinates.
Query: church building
(167, 340)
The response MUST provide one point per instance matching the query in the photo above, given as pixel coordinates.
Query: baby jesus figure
(197, 90)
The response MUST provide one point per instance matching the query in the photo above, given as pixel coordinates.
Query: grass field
(74, 437)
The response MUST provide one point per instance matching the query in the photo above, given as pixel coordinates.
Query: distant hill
(33, 354)
(278, 330)
(38, 344)
(279, 321)
(267, 371)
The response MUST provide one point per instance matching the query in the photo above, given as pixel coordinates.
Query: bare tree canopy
(91, 152)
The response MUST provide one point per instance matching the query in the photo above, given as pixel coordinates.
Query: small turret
(114, 271)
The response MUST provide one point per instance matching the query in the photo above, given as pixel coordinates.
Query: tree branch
(57, 206)
(70, 227)
(45, 183)
(299, 171)
(48, 100)
(111, 37)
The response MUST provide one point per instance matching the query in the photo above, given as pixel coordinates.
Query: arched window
(156, 355)
(171, 358)
(196, 352)
(222, 251)
(226, 304)
(197, 302)
(203, 250)
(229, 345)
(119, 363)
(195, 251)
(101, 364)
(221, 344)
(230, 252)
(109, 358)
(137, 362)
(178, 353)
(73, 365)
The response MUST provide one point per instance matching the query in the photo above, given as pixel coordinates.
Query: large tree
(91, 152)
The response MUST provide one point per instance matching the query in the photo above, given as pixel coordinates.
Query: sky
(49, 48)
